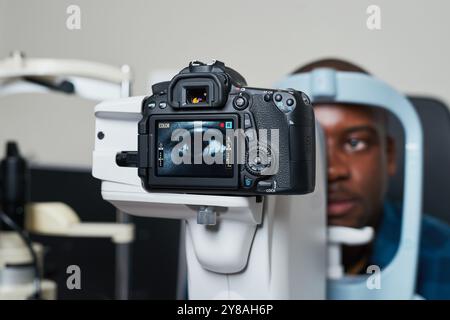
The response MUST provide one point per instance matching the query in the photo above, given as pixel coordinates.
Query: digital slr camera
(206, 132)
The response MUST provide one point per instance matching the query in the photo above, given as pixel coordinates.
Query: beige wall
(261, 39)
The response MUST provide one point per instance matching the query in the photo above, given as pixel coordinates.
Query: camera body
(206, 132)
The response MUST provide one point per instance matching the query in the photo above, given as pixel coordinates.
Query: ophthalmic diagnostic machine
(245, 168)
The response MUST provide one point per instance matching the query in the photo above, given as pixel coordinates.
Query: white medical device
(270, 247)
(91, 80)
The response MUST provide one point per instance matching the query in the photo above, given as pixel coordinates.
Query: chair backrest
(435, 118)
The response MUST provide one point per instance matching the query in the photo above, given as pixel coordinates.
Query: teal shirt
(433, 277)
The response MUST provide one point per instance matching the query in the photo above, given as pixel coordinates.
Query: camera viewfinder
(197, 95)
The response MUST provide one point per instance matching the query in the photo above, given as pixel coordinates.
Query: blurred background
(263, 40)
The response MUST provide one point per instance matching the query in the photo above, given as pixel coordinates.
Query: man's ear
(391, 156)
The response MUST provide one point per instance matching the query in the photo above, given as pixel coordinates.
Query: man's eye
(354, 144)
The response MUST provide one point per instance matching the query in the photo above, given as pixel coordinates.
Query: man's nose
(338, 168)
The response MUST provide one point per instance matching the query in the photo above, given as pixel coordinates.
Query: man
(361, 157)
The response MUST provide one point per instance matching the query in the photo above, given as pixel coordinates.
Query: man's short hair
(336, 64)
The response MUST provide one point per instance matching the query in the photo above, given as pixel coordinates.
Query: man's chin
(343, 221)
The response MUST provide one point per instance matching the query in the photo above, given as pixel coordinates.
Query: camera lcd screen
(194, 148)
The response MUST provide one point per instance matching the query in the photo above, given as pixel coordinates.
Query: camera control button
(267, 97)
(240, 102)
(264, 185)
(278, 97)
(247, 121)
(248, 182)
(152, 105)
(290, 102)
(162, 105)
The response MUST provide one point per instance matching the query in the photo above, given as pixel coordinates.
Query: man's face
(360, 158)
